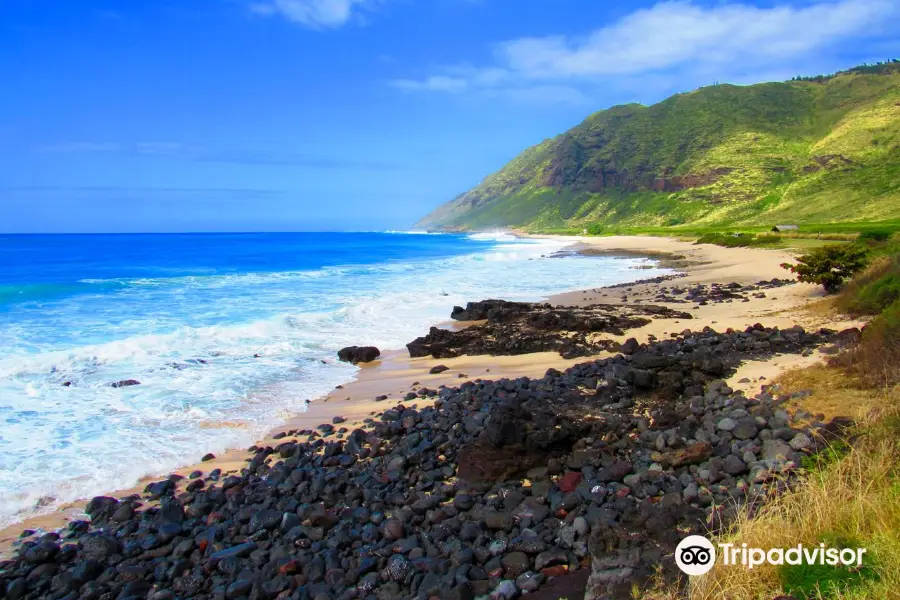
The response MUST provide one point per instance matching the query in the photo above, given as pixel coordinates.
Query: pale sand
(782, 307)
(395, 373)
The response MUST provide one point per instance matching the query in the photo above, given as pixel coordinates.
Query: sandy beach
(395, 374)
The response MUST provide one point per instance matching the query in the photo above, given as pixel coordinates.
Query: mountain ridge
(807, 150)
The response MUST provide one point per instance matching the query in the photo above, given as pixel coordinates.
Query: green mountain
(810, 150)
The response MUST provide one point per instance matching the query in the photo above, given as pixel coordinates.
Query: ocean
(228, 335)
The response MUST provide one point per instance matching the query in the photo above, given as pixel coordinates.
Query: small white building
(783, 228)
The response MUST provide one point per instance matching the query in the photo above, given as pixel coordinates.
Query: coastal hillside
(810, 150)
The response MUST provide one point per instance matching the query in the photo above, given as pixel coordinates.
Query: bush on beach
(829, 266)
(739, 240)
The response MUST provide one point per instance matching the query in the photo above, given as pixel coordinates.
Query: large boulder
(358, 354)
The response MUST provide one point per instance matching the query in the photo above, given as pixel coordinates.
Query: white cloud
(674, 38)
(435, 83)
(318, 14)
(672, 34)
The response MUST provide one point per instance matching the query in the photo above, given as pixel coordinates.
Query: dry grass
(850, 496)
(875, 291)
(823, 310)
(854, 496)
(875, 361)
(832, 392)
(657, 588)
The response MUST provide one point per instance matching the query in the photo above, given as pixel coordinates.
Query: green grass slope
(818, 150)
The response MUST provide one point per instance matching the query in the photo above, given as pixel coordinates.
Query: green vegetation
(850, 497)
(874, 290)
(829, 266)
(829, 456)
(739, 240)
(805, 581)
(809, 151)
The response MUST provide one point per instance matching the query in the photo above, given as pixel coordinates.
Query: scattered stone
(623, 457)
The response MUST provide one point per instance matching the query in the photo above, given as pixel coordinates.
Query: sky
(293, 115)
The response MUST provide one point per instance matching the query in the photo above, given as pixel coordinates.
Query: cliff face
(826, 149)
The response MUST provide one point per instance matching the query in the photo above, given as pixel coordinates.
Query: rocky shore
(489, 489)
(522, 328)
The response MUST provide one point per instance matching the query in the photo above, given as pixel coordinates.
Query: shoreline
(391, 374)
(395, 374)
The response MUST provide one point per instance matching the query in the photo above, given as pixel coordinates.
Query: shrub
(876, 235)
(739, 240)
(830, 266)
(874, 289)
(876, 359)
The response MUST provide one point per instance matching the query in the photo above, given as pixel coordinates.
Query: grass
(739, 240)
(814, 233)
(850, 498)
(850, 494)
(876, 359)
(805, 581)
(820, 151)
(874, 290)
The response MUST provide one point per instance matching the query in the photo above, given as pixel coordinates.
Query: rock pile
(715, 293)
(522, 328)
(491, 491)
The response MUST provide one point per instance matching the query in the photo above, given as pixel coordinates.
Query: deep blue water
(45, 267)
(227, 333)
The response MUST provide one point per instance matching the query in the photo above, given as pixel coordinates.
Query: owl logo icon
(695, 555)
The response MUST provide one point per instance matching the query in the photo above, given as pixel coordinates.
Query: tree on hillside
(830, 266)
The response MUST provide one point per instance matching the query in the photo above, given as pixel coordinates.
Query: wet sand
(395, 374)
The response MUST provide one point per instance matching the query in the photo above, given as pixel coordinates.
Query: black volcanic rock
(358, 354)
(522, 328)
(495, 487)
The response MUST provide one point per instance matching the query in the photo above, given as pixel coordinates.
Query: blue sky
(204, 115)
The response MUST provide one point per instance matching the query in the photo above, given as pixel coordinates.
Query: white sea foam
(497, 235)
(191, 342)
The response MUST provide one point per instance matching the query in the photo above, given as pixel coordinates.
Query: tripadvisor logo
(695, 555)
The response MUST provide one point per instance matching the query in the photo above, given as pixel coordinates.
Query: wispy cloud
(434, 83)
(317, 14)
(669, 38)
(251, 157)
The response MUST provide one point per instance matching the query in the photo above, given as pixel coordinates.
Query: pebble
(433, 496)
